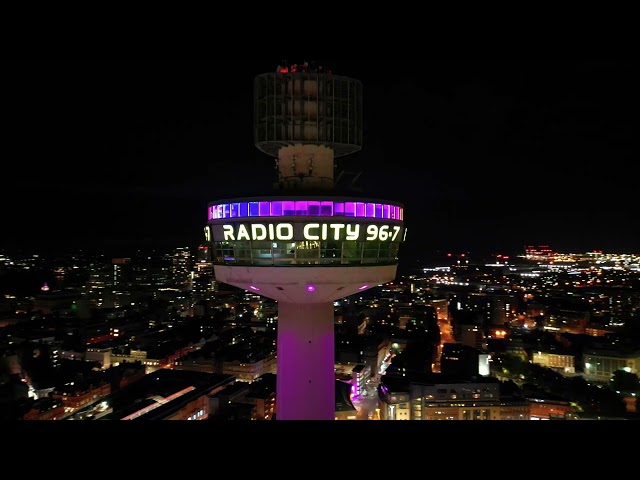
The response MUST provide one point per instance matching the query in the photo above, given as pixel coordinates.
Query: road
(367, 404)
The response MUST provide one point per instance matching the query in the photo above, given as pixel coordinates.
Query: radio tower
(305, 246)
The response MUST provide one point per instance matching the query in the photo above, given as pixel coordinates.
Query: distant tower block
(306, 247)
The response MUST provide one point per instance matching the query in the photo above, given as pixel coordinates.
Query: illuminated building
(75, 396)
(472, 336)
(538, 252)
(45, 409)
(180, 268)
(204, 284)
(99, 355)
(545, 409)
(360, 349)
(248, 369)
(562, 363)
(437, 396)
(122, 271)
(247, 401)
(307, 245)
(162, 395)
(600, 363)
(360, 374)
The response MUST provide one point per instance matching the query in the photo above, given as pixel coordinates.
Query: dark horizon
(486, 156)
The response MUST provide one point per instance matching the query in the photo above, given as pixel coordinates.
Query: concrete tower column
(306, 358)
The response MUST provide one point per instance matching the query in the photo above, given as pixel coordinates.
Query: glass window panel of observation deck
(349, 209)
(224, 251)
(385, 251)
(261, 253)
(234, 210)
(276, 209)
(313, 208)
(378, 207)
(386, 211)
(370, 252)
(360, 209)
(254, 209)
(283, 252)
(370, 210)
(265, 209)
(326, 209)
(308, 252)
(288, 208)
(338, 208)
(242, 252)
(352, 251)
(244, 209)
(331, 252)
(301, 208)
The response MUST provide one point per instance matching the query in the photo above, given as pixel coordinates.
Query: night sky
(486, 155)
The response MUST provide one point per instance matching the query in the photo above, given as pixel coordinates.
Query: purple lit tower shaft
(306, 247)
(306, 357)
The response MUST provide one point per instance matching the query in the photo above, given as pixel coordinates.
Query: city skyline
(119, 151)
(485, 156)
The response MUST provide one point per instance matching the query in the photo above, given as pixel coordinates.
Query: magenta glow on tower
(306, 245)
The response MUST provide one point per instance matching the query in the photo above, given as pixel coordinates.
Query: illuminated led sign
(311, 231)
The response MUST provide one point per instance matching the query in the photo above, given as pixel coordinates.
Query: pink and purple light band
(304, 208)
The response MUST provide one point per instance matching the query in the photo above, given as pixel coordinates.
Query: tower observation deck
(305, 246)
